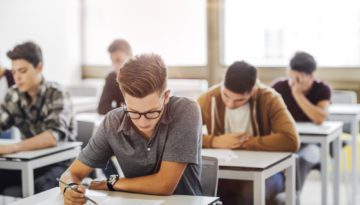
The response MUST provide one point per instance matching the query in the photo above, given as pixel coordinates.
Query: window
(268, 33)
(174, 29)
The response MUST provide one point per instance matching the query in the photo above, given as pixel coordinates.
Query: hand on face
(300, 83)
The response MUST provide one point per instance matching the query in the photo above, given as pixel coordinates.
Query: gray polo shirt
(177, 138)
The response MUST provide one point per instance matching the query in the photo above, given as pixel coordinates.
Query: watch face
(113, 179)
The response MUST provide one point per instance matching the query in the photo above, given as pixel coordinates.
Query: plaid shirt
(52, 112)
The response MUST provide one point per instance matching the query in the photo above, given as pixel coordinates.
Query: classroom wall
(54, 25)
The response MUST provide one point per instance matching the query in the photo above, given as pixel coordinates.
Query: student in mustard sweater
(242, 113)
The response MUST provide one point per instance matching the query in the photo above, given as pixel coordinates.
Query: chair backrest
(209, 175)
(85, 131)
(82, 91)
(344, 97)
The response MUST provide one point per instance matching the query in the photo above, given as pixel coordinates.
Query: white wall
(52, 24)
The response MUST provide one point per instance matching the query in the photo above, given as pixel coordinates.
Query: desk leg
(354, 133)
(336, 170)
(290, 183)
(27, 178)
(259, 188)
(324, 172)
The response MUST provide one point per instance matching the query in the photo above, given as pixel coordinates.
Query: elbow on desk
(52, 142)
(293, 143)
(165, 187)
(319, 119)
(165, 192)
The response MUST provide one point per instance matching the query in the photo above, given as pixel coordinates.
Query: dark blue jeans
(235, 192)
(6, 135)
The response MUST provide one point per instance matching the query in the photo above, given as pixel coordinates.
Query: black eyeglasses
(148, 115)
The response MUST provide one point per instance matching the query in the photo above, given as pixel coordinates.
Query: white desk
(257, 167)
(349, 113)
(325, 134)
(54, 197)
(85, 104)
(29, 160)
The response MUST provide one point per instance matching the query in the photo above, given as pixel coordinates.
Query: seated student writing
(120, 51)
(156, 138)
(308, 100)
(242, 113)
(40, 109)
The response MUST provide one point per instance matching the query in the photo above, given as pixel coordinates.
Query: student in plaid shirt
(41, 110)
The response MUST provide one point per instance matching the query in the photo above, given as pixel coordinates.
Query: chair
(344, 97)
(83, 91)
(209, 175)
(85, 131)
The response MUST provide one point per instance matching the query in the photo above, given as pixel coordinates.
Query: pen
(74, 189)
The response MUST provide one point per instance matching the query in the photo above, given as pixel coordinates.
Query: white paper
(223, 154)
(118, 201)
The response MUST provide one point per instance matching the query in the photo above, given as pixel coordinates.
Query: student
(6, 81)
(111, 97)
(242, 113)
(156, 154)
(41, 110)
(308, 100)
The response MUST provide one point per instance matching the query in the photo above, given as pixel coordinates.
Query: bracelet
(69, 185)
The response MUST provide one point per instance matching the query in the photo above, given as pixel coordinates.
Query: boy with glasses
(156, 138)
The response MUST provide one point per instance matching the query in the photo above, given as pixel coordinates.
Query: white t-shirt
(238, 120)
(3, 88)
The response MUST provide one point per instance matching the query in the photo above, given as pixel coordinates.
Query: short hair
(240, 77)
(120, 45)
(28, 51)
(143, 75)
(303, 62)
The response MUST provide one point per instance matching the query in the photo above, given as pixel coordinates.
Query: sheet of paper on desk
(122, 201)
(219, 154)
(58, 200)
(104, 199)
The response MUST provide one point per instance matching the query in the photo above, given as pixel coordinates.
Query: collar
(25, 97)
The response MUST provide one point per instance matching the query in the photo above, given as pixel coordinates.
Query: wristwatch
(110, 182)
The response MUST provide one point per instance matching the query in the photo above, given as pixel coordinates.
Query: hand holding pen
(77, 196)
